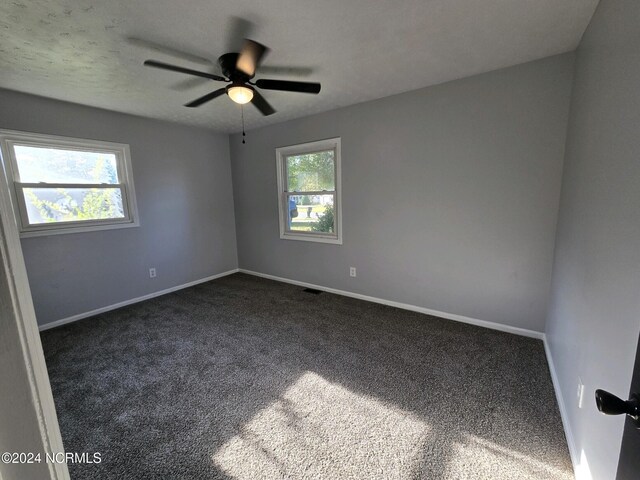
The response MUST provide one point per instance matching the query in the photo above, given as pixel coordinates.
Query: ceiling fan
(239, 69)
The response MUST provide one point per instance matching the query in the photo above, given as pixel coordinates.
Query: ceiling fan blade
(237, 30)
(288, 86)
(209, 96)
(149, 45)
(189, 83)
(188, 71)
(250, 57)
(287, 71)
(261, 104)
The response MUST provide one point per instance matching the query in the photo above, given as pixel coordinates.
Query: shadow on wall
(247, 378)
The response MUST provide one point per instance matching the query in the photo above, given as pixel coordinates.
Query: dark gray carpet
(247, 378)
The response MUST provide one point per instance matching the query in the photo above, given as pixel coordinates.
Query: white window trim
(281, 154)
(125, 174)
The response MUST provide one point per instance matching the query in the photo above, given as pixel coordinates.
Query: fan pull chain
(243, 134)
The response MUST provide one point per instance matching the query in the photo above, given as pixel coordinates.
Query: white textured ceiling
(81, 50)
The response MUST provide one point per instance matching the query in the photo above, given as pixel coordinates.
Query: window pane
(53, 205)
(311, 213)
(55, 165)
(311, 172)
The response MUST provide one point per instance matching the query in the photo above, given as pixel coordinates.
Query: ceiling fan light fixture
(240, 94)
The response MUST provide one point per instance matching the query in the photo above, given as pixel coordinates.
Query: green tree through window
(83, 204)
(311, 172)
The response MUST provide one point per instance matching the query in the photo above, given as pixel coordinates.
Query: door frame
(628, 462)
(24, 316)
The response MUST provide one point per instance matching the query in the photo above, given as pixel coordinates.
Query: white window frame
(9, 138)
(283, 211)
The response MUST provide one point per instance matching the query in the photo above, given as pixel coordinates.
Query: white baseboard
(573, 452)
(91, 313)
(405, 306)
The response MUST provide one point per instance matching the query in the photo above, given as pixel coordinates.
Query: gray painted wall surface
(594, 317)
(183, 186)
(450, 195)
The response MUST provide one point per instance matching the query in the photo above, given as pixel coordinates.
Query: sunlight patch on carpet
(319, 429)
(476, 457)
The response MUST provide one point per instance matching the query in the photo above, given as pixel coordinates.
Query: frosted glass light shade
(240, 94)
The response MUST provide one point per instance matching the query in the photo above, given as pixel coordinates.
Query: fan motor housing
(228, 63)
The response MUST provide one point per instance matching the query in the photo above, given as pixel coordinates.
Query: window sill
(311, 238)
(75, 229)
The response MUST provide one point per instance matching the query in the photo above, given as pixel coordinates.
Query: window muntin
(309, 181)
(64, 185)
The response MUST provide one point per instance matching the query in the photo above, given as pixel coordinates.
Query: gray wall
(183, 187)
(450, 195)
(594, 317)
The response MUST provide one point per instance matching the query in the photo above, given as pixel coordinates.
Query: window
(68, 185)
(309, 198)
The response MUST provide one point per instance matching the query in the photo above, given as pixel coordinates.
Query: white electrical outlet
(152, 273)
(580, 392)
(352, 271)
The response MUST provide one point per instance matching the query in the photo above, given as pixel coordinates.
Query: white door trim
(25, 318)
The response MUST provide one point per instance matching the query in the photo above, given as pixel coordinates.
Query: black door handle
(609, 404)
